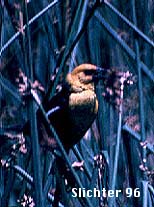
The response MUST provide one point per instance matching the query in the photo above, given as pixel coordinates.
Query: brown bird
(73, 110)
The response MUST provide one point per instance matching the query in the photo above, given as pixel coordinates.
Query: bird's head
(84, 76)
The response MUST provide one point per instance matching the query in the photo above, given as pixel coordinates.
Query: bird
(73, 110)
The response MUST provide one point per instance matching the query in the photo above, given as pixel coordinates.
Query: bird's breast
(83, 101)
(82, 112)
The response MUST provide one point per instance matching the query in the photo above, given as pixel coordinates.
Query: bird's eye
(88, 72)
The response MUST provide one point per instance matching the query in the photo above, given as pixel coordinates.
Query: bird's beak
(99, 74)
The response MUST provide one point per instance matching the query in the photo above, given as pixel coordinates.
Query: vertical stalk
(141, 101)
(1, 43)
(111, 151)
(1, 24)
(145, 194)
(81, 21)
(101, 118)
(2, 184)
(38, 195)
(140, 88)
(117, 148)
(141, 104)
(146, 28)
